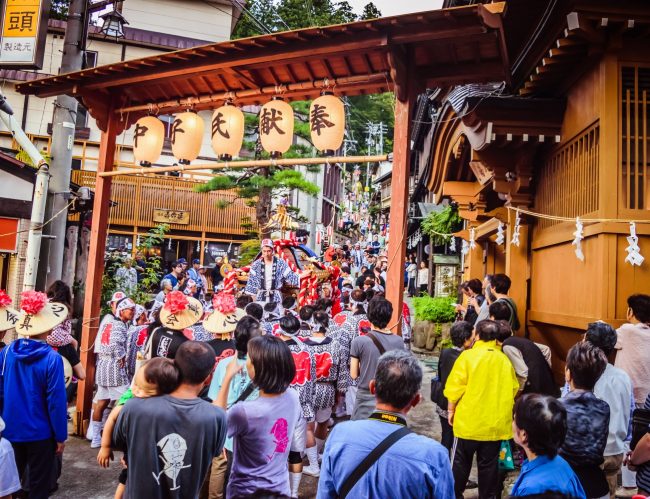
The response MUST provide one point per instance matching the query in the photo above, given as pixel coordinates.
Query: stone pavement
(83, 478)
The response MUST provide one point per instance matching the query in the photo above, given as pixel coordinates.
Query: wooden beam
(246, 164)
(443, 75)
(317, 85)
(93, 289)
(265, 56)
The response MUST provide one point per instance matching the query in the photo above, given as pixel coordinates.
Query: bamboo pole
(325, 83)
(248, 164)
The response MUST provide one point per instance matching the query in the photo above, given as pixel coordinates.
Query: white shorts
(322, 415)
(299, 438)
(110, 392)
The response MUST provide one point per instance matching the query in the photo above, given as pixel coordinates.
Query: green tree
(261, 14)
(370, 11)
(151, 274)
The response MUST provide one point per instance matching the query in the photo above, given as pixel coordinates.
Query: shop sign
(171, 216)
(23, 34)
(8, 235)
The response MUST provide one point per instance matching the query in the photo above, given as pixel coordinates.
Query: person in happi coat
(111, 372)
(268, 274)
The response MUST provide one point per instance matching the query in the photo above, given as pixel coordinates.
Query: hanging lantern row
(326, 119)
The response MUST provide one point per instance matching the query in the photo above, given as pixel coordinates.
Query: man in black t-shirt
(183, 432)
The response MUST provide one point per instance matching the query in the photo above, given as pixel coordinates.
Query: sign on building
(171, 216)
(24, 32)
(8, 234)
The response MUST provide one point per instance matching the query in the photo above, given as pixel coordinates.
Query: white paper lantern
(148, 139)
(227, 131)
(276, 127)
(327, 123)
(187, 135)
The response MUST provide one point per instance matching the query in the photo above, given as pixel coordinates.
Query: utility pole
(63, 133)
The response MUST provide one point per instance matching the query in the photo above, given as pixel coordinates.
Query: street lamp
(113, 26)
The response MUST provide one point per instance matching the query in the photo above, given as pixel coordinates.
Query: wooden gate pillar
(93, 292)
(406, 89)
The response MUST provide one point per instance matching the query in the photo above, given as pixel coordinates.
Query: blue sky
(394, 7)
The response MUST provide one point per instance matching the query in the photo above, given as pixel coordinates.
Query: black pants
(487, 459)
(39, 456)
(447, 434)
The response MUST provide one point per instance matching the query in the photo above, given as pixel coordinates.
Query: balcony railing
(137, 197)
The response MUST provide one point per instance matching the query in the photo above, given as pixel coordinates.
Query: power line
(252, 16)
(259, 24)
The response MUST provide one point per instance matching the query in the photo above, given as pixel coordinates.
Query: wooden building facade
(567, 136)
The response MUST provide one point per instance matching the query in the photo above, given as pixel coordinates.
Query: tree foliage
(150, 278)
(446, 221)
(370, 11)
(438, 309)
(59, 9)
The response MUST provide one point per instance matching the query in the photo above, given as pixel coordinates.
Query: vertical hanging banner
(24, 32)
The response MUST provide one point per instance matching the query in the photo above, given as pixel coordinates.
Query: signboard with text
(23, 33)
(8, 235)
(171, 216)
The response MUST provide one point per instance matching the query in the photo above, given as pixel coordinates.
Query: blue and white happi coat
(282, 274)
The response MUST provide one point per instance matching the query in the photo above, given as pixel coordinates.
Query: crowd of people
(242, 394)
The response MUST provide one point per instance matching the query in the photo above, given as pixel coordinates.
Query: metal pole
(35, 227)
(63, 132)
(38, 202)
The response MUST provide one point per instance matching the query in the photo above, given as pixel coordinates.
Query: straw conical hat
(37, 315)
(8, 316)
(180, 311)
(226, 315)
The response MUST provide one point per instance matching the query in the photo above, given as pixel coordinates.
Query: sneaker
(311, 470)
(625, 492)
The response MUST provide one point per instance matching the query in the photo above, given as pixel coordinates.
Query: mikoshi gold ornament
(227, 131)
(148, 139)
(327, 123)
(276, 127)
(187, 136)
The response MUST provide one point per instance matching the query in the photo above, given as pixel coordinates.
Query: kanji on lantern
(276, 127)
(186, 137)
(327, 123)
(227, 131)
(148, 139)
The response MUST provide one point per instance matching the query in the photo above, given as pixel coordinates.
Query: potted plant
(433, 318)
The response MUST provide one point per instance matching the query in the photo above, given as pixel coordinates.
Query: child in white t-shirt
(9, 480)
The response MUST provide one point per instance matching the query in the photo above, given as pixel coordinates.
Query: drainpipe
(40, 193)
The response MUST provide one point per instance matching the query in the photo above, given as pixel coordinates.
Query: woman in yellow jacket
(481, 390)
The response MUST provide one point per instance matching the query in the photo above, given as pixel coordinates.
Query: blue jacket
(32, 392)
(544, 474)
(414, 467)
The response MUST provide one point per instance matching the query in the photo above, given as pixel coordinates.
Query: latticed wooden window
(567, 182)
(634, 126)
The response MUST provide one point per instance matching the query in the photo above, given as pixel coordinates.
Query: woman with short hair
(263, 430)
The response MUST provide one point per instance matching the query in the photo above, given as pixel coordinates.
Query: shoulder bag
(371, 459)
